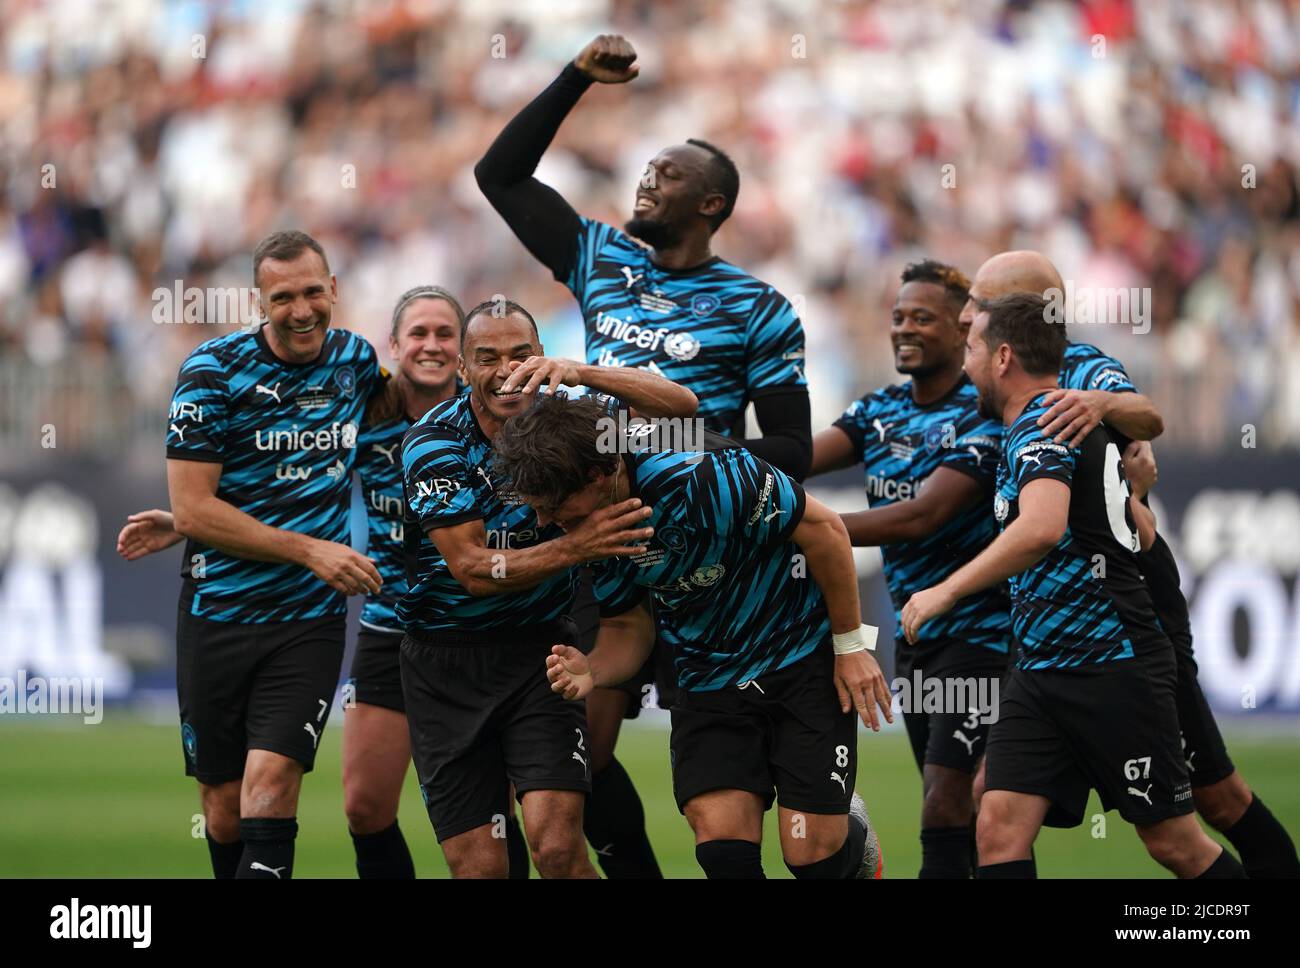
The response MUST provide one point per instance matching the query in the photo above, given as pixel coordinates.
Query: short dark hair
(723, 179)
(284, 247)
(952, 279)
(1022, 321)
(500, 308)
(417, 293)
(551, 451)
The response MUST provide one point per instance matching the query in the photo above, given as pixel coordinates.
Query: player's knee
(803, 851)
(1222, 804)
(222, 825)
(1176, 846)
(366, 812)
(996, 837)
(558, 852)
(947, 801)
(977, 787)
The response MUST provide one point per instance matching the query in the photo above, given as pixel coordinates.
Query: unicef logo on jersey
(349, 431)
(345, 378)
(1001, 508)
(190, 740)
(682, 346)
(707, 575)
(702, 304)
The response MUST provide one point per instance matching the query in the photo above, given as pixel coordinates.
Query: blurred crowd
(1150, 145)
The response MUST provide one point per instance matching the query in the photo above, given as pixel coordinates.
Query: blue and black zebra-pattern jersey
(1084, 602)
(446, 472)
(714, 328)
(1084, 367)
(732, 596)
(285, 435)
(900, 443)
(379, 466)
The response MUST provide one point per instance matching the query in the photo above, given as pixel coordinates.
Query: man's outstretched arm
(544, 222)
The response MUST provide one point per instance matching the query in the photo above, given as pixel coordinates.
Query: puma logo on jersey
(769, 517)
(272, 392)
(841, 780)
(180, 432)
(970, 743)
(315, 737)
(631, 279)
(486, 480)
(1038, 461)
(880, 428)
(979, 456)
(578, 757)
(259, 866)
(1144, 794)
(387, 451)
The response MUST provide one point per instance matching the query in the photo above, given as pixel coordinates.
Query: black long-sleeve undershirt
(545, 223)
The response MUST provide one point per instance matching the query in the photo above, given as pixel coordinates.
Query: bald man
(1095, 388)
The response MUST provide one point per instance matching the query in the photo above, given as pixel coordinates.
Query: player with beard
(1088, 636)
(930, 462)
(492, 591)
(654, 296)
(260, 447)
(1095, 388)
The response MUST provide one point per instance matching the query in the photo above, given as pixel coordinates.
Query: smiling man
(930, 462)
(492, 592)
(260, 448)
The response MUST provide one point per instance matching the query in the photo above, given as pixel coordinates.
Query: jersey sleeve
(1088, 368)
(614, 587)
(752, 501)
(774, 345)
(856, 422)
(592, 237)
(1033, 455)
(975, 450)
(436, 478)
(196, 421)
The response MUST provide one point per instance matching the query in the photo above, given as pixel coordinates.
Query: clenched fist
(609, 59)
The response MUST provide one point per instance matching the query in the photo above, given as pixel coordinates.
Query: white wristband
(861, 639)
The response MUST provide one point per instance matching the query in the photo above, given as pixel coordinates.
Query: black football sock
(516, 850)
(1010, 870)
(945, 853)
(730, 860)
(383, 855)
(614, 823)
(225, 858)
(1225, 868)
(268, 847)
(1266, 849)
(844, 864)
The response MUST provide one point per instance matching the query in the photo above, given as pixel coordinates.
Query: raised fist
(609, 59)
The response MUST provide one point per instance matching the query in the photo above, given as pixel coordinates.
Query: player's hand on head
(538, 371)
(923, 606)
(861, 686)
(613, 531)
(1072, 414)
(146, 532)
(342, 568)
(609, 59)
(1140, 467)
(569, 672)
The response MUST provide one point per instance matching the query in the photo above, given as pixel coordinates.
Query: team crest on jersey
(190, 740)
(702, 304)
(1001, 508)
(674, 537)
(934, 436)
(345, 378)
(682, 346)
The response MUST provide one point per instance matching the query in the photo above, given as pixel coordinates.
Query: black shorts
(1112, 727)
(376, 676)
(781, 736)
(949, 736)
(657, 670)
(266, 686)
(482, 716)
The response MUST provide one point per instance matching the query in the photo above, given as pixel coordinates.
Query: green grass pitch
(111, 801)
